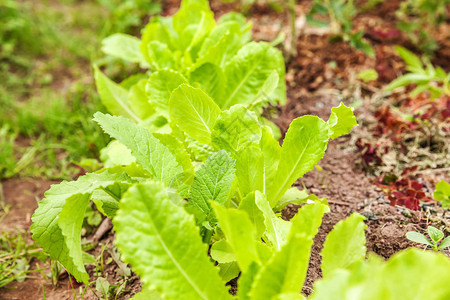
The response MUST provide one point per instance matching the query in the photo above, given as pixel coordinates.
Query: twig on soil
(104, 227)
(339, 203)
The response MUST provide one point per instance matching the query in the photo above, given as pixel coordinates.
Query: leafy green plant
(419, 19)
(436, 241)
(442, 193)
(244, 158)
(427, 79)
(15, 257)
(340, 15)
(191, 48)
(267, 271)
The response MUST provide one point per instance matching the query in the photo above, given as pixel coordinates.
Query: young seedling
(434, 242)
(423, 74)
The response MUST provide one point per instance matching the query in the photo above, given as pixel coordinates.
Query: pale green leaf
(240, 235)
(345, 245)
(248, 204)
(113, 96)
(341, 120)
(222, 252)
(139, 100)
(149, 152)
(229, 271)
(221, 46)
(211, 79)
(442, 193)
(410, 78)
(161, 57)
(368, 75)
(264, 96)
(292, 196)
(124, 46)
(211, 183)
(428, 270)
(58, 220)
(286, 271)
(289, 296)
(435, 234)
(194, 112)
(247, 72)
(303, 147)
(179, 151)
(116, 154)
(107, 198)
(417, 238)
(409, 57)
(193, 21)
(250, 170)
(236, 129)
(271, 150)
(158, 238)
(277, 229)
(246, 280)
(147, 294)
(444, 244)
(159, 30)
(160, 86)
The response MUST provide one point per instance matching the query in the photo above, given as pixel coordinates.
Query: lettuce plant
(160, 240)
(190, 47)
(244, 159)
(232, 200)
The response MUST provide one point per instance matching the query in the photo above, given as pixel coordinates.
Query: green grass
(47, 96)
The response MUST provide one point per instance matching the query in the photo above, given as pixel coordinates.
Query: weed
(436, 240)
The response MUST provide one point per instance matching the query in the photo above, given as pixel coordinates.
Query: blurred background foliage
(47, 95)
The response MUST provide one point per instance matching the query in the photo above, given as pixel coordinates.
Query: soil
(318, 78)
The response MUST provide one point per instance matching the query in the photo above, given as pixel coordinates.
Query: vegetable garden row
(197, 174)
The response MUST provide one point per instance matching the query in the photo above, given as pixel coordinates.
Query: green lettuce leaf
(285, 272)
(211, 79)
(160, 86)
(113, 96)
(376, 279)
(250, 170)
(240, 235)
(229, 271)
(58, 220)
(344, 245)
(222, 252)
(277, 229)
(341, 120)
(271, 150)
(292, 196)
(248, 204)
(303, 147)
(194, 112)
(159, 238)
(138, 100)
(236, 129)
(248, 71)
(124, 46)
